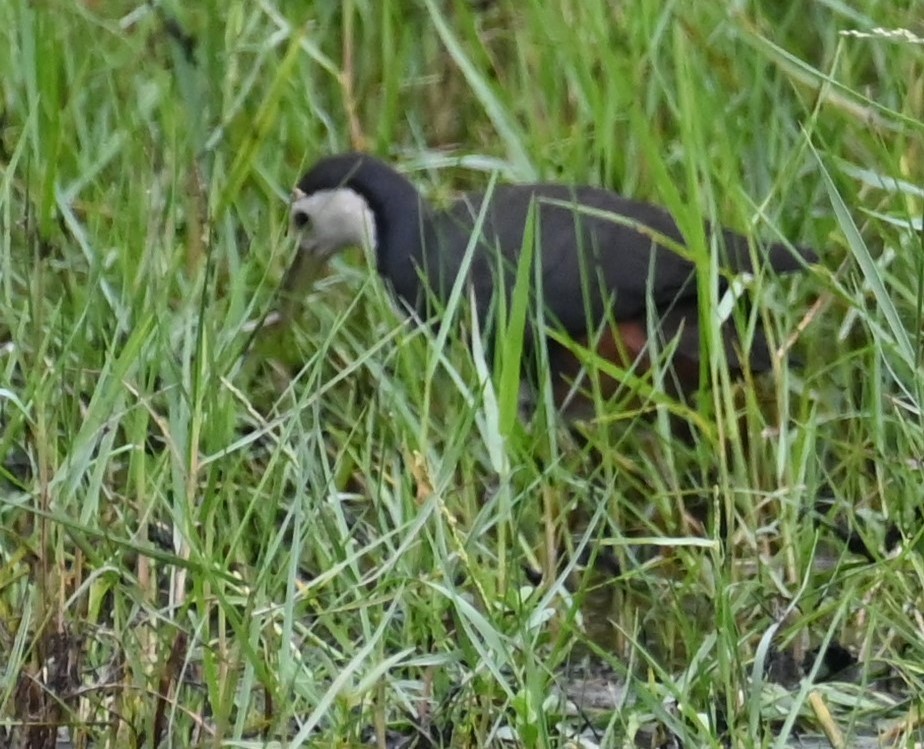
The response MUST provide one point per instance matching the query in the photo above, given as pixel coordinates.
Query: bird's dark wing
(599, 251)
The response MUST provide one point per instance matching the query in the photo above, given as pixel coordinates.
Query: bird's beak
(304, 271)
(296, 195)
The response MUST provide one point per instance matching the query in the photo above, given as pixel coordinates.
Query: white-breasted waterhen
(605, 263)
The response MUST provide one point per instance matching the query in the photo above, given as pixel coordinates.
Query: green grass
(310, 541)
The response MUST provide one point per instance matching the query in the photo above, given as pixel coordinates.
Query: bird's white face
(328, 221)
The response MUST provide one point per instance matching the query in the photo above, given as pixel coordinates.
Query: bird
(612, 271)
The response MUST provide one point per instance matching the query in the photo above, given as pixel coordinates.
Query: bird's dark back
(599, 253)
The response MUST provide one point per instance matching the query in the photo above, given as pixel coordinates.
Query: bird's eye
(301, 220)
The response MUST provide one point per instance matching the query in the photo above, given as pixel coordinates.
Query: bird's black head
(350, 199)
(343, 170)
(356, 200)
(330, 210)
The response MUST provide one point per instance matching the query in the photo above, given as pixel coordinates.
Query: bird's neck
(401, 248)
(404, 228)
